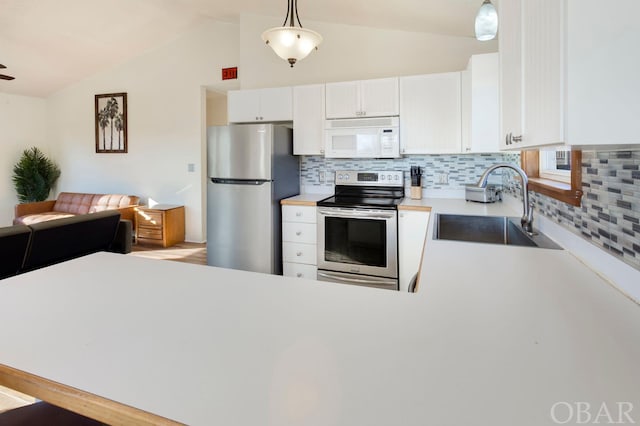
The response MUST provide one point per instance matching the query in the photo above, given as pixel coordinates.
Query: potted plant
(34, 175)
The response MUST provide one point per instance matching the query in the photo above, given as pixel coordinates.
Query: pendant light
(486, 22)
(289, 42)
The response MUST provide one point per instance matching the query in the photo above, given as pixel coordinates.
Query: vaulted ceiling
(49, 44)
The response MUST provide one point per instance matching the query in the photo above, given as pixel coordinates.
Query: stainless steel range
(358, 229)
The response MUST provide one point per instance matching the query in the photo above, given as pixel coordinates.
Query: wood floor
(11, 399)
(183, 252)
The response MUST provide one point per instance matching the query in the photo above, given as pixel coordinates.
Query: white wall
(22, 125)
(216, 109)
(351, 53)
(165, 123)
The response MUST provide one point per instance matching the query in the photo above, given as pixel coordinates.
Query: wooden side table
(162, 224)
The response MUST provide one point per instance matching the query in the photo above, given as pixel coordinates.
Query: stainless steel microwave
(377, 137)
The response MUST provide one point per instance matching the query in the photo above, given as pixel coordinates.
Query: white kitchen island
(496, 335)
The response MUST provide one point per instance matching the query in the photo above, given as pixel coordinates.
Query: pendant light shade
(291, 42)
(486, 22)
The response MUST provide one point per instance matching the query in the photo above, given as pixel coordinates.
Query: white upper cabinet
(430, 114)
(542, 65)
(531, 73)
(603, 105)
(364, 98)
(343, 99)
(567, 73)
(481, 104)
(243, 106)
(379, 97)
(308, 119)
(260, 105)
(510, 72)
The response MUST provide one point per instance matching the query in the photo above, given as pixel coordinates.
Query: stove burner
(363, 191)
(360, 202)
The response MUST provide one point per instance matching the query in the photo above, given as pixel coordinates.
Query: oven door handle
(357, 214)
(343, 278)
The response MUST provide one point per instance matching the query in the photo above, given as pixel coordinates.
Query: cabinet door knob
(298, 214)
(299, 254)
(299, 275)
(298, 233)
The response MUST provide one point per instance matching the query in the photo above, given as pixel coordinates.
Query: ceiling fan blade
(6, 77)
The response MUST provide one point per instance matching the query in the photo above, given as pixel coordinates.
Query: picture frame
(111, 123)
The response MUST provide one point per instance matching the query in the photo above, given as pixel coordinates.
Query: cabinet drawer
(150, 219)
(299, 232)
(299, 253)
(304, 214)
(149, 233)
(299, 270)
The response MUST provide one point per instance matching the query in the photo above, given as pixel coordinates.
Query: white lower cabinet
(299, 253)
(412, 231)
(299, 270)
(299, 232)
(299, 241)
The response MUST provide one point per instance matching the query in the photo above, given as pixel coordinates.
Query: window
(555, 164)
(547, 180)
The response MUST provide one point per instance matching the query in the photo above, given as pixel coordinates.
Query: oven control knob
(382, 177)
(397, 177)
(339, 177)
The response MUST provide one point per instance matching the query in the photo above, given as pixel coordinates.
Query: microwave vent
(362, 122)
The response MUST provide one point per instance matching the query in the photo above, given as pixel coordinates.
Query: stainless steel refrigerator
(251, 167)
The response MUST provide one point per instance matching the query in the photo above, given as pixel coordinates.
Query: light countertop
(496, 336)
(304, 199)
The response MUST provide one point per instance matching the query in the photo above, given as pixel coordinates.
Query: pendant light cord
(292, 8)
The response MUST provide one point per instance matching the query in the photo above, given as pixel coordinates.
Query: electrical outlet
(322, 176)
(443, 178)
(191, 167)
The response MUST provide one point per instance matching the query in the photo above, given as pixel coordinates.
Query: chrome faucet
(527, 214)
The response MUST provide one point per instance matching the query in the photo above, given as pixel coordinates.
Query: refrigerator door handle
(240, 181)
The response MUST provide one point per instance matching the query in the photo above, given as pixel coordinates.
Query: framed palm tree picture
(111, 123)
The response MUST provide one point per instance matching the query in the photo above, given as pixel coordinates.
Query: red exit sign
(229, 73)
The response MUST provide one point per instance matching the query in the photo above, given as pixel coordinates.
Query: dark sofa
(14, 241)
(25, 248)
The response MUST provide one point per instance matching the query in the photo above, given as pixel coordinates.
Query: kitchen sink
(488, 229)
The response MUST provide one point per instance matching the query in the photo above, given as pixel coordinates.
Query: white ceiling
(49, 44)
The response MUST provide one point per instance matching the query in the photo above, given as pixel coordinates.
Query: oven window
(355, 241)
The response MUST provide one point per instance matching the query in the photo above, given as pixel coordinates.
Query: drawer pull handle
(298, 233)
(298, 214)
(299, 254)
(299, 275)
